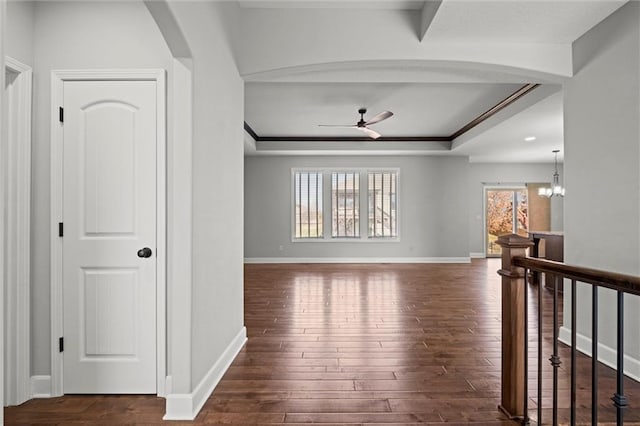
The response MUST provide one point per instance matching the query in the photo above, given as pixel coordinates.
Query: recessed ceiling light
(530, 138)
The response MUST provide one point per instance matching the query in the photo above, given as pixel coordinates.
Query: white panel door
(109, 212)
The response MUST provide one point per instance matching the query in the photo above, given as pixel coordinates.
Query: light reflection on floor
(344, 301)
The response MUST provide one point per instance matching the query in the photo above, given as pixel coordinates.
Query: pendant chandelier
(555, 188)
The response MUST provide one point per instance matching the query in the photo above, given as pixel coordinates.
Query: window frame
(358, 207)
(397, 202)
(292, 204)
(327, 206)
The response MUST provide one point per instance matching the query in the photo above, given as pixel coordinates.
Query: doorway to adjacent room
(506, 212)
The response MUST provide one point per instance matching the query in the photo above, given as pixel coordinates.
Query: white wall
(75, 35)
(218, 110)
(505, 174)
(602, 168)
(323, 36)
(18, 43)
(447, 188)
(19, 32)
(433, 208)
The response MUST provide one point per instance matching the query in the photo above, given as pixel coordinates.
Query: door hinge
(60, 229)
(61, 114)
(61, 344)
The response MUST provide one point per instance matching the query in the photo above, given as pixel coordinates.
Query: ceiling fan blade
(337, 125)
(371, 133)
(378, 118)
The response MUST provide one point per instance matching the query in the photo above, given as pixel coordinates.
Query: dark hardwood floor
(359, 344)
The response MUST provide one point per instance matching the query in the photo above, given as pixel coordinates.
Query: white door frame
(17, 241)
(58, 77)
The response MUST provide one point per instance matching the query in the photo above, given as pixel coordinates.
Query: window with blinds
(345, 204)
(307, 189)
(383, 218)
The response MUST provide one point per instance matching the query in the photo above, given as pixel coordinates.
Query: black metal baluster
(525, 419)
(619, 400)
(594, 355)
(574, 296)
(555, 359)
(540, 309)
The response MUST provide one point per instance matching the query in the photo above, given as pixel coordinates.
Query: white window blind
(307, 188)
(345, 200)
(383, 218)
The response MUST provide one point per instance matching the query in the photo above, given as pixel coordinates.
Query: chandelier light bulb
(555, 188)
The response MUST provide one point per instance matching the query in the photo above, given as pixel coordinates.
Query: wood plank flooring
(357, 344)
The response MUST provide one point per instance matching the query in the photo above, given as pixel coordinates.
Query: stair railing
(516, 267)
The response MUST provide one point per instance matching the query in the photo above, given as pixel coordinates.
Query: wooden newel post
(513, 323)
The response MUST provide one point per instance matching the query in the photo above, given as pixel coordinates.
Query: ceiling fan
(362, 125)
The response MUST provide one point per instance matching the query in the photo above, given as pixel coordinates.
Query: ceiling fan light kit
(362, 125)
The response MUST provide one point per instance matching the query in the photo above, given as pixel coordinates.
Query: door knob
(144, 252)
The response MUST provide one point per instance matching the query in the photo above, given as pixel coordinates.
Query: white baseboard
(606, 354)
(357, 260)
(477, 255)
(40, 386)
(187, 406)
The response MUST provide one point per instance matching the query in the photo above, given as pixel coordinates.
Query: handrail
(615, 281)
(516, 267)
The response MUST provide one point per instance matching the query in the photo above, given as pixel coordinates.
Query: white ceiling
(517, 21)
(334, 4)
(421, 109)
(506, 142)
(429, 105)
